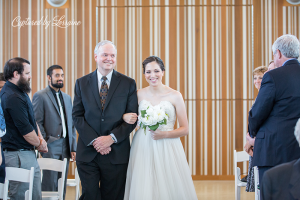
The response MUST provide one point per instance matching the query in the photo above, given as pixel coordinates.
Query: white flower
(150, 111)
(152, 116)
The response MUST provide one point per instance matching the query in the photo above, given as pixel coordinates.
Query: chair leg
(238, 193)
(77, 192)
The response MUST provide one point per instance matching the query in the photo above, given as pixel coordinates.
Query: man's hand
(250, 139)
(248, 148)
(102, 142)
(251, 151)
(43, 146)
(105, 151)
(73, 156)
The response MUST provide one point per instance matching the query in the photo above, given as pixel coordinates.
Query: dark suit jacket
(274, 115)
(91, 122)
(282, 182)
(48, 118)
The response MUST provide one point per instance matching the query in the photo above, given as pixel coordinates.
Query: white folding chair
(75, 183)
(54, 165)
(239, 157)
(20, 175)
(256, 183)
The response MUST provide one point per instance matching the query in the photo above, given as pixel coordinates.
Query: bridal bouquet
(152, 117)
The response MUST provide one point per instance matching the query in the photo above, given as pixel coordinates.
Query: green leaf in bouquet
(143, 113)
(154, 127)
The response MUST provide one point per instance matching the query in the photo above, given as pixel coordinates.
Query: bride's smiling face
(153, 73)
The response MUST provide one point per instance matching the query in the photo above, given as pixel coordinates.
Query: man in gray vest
(53, 113)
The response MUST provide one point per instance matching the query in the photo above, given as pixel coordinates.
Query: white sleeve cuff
(114, 137)
(91, 142)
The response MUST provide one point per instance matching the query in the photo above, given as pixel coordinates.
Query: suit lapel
(93, 82)
(115, 80)
(295, 180)
(51, 97)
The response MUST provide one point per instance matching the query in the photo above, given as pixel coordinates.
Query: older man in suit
(101, 99)
(276, 110)
(53, 113)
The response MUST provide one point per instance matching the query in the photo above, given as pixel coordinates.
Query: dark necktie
(61, 115)
(103, 91)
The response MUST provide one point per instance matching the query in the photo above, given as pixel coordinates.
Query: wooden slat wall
(209, 47)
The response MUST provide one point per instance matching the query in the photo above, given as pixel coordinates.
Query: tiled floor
(206, 190)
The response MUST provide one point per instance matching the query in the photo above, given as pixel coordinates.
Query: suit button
(102, 120)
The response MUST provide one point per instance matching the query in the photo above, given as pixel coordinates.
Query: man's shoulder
(124, 77)
(40, 95)
(85, 77)
(290, 67)
(8, 93)
(10, 99)
(42, 91)
(284, 75)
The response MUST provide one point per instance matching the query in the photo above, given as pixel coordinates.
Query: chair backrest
(20, 175)
(52, 164)
(55, 165)
(241, 156)
(238, 157)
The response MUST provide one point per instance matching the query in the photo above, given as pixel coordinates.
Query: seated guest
(258, 74)
(283, 181)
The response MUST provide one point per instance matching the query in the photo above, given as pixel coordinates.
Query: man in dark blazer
(277, 108)
(101, 99)
(53, 114)
(283, 181)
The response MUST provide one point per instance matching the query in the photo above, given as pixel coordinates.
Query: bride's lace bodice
(169, 109)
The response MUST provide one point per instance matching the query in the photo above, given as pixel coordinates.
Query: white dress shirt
(99, 76)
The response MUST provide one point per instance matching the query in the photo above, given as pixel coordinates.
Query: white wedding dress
(158, 169)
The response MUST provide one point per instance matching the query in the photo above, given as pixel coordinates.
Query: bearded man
(53, 113)
(22, 134)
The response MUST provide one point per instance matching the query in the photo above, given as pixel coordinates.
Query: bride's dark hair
(151, 59)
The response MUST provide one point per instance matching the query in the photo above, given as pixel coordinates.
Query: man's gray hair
(102, 43)
(288, 45)
(297, 131)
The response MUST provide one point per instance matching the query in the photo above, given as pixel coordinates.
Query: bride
(157, 167)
